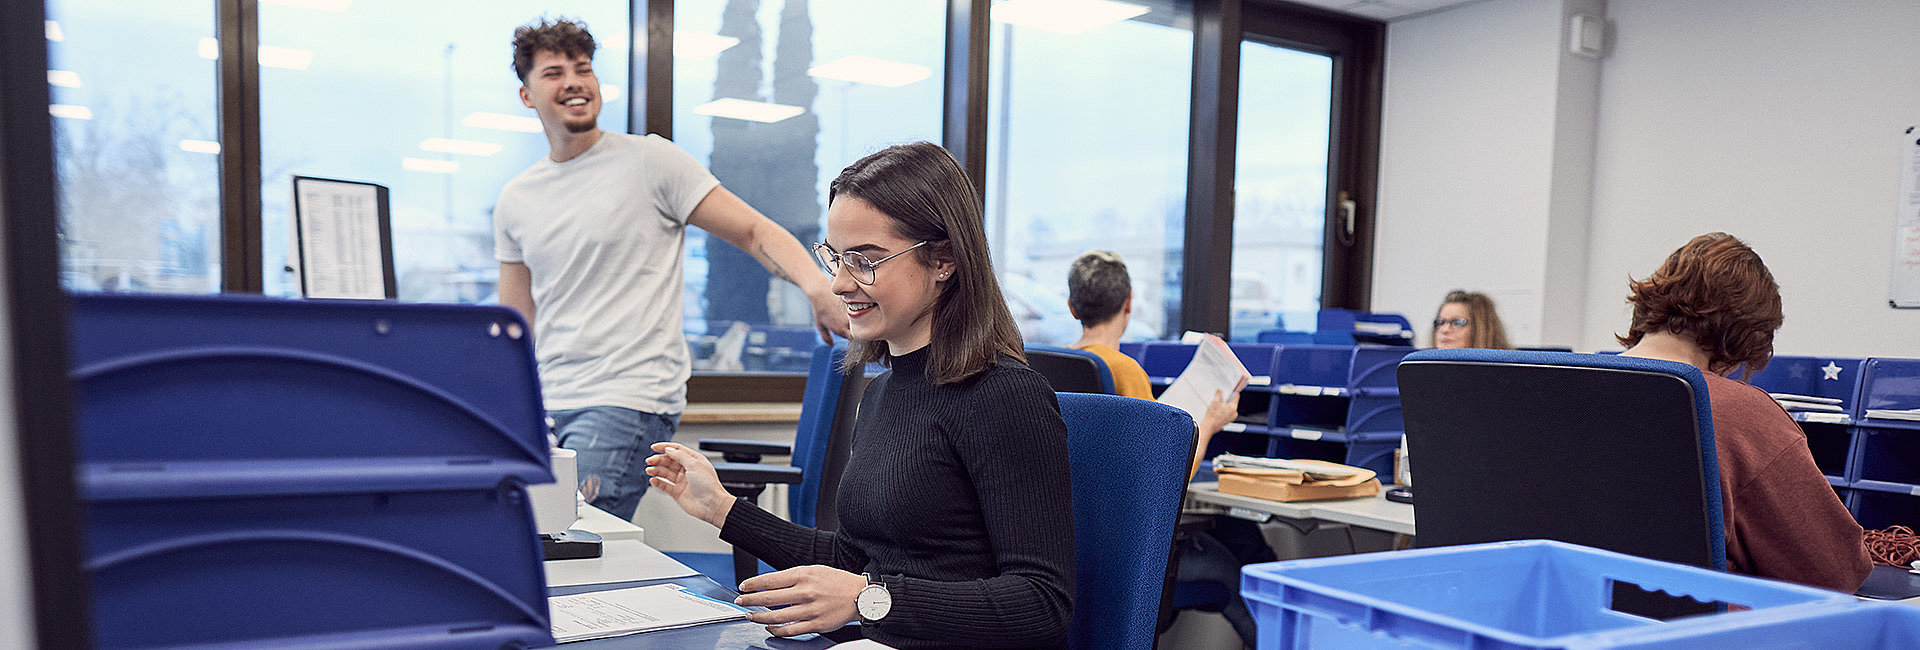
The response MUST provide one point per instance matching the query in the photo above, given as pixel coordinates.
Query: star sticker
(1831, 370)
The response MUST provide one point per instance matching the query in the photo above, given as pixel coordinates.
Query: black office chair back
(1606, 451)
(1070, 371)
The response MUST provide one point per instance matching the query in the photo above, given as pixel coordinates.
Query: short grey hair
(1098, 286)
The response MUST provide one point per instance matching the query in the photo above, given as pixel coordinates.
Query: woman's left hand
(817, 599)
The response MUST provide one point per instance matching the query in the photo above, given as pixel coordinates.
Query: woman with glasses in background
(955, 506)
(1467, 320)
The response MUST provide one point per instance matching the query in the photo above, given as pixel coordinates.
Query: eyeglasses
(861, 267)
(1461, 323)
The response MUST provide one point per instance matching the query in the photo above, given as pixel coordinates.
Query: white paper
(339, 234)
(618, 612)
(1905, 284)
(1894, 414)
(1214, 368)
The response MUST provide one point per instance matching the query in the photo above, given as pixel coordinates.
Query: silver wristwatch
(874, 600)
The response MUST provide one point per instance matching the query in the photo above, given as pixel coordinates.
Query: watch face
(874, 602)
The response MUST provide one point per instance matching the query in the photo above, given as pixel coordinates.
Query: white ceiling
(1387, 10)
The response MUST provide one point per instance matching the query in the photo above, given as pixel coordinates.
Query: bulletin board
(1905, 285)
(343, 239)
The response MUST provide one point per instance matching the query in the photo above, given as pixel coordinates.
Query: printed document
(618, 612)
(1214, 368)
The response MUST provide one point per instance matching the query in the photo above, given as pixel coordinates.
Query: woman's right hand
(688, 477)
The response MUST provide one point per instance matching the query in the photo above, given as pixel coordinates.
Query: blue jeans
(612, 444)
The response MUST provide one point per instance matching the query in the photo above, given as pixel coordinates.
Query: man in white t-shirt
(590, 241)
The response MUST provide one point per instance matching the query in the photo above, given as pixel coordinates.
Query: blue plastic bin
(1532, 594)
(1854, 626)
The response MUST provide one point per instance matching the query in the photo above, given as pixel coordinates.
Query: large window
(135, 131)
(1280, 187)
(421, 99)
(776, 97)
(1087, 148)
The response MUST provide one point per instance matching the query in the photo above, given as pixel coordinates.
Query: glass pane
(775, 97)
(136, 133)
(1087, 148)
(421, 98)
(1280, 187)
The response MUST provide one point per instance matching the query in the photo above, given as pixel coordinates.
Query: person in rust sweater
(1714, 305)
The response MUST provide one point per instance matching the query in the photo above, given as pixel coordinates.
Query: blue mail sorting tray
(1507, 595)
(274, 473)
(1854, 626)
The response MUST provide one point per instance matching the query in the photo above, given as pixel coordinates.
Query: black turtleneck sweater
(958, 497)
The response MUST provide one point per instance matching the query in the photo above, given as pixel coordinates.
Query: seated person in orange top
(1467, 320)
(1714, 305)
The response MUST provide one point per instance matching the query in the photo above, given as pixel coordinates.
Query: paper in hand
(1213, 369)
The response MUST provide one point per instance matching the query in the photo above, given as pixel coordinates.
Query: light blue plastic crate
(1529, 595)
(1854, 626)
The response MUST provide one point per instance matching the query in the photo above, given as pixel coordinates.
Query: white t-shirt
(604, 235)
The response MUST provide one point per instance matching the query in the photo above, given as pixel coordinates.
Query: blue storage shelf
(1887, 455)
(1509, 595)
(1889, 384)
(1831, 377)
(280, 473)
(1163, 360)
(1877, 504)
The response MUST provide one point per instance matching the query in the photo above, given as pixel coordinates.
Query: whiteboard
(344, 239)
(1904, 288)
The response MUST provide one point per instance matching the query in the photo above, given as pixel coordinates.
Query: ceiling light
(200, 146)
(285, 57)
(693, 46)
(430, 166)
(53, 32)
(1064, 16)
(609, 93)
(64, 78)
(464, 147)
(869, 70)
(502, 122)
(70, 111)
(321, 5)
(741, 109)
(210, 48)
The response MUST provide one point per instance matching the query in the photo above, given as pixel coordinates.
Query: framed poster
(343, 238)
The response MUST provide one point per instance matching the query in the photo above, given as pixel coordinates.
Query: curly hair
(1098, 287)
(1486, 332)
(1716, 291)
(567, 36)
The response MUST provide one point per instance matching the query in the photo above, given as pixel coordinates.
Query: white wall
(1776, 121)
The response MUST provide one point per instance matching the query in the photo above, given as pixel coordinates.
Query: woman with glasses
(955, 506)
(1467, 320)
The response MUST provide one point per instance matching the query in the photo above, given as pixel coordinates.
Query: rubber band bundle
(1895, 546)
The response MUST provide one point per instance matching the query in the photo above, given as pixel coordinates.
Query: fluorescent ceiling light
(200, 146)
(210, 48)
(70, 111)
(465, 147)
(431, 166)
(64, 78)
(741, 109)
(285, 57)
(321, 5)
(53, 32)
(1064, 16)
(503, 122)
(693, 46)
(609, 92)
(869, 70)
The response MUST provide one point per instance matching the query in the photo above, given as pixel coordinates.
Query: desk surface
(607, 526)
(631, 563)
(1374, 512)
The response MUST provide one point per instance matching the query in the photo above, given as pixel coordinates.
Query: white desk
(1374, 512)
(622, 560)
(607, 526)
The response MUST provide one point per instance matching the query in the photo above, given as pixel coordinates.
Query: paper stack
(619, 612)
(1279, 479)
(1895, 414)
(1214, 368)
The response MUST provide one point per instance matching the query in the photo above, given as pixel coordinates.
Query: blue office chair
(818, 453)
(1070, 370)
(1601, 450)
(1129, 465)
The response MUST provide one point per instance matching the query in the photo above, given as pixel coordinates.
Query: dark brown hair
(1716, 292)
(1483, 323)
(1098, 287)
(566, 36)
(930, 199)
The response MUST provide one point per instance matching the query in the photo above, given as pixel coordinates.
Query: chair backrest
(1606, 451)
(820, 443)
(1070, 370)
(1129, 465)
